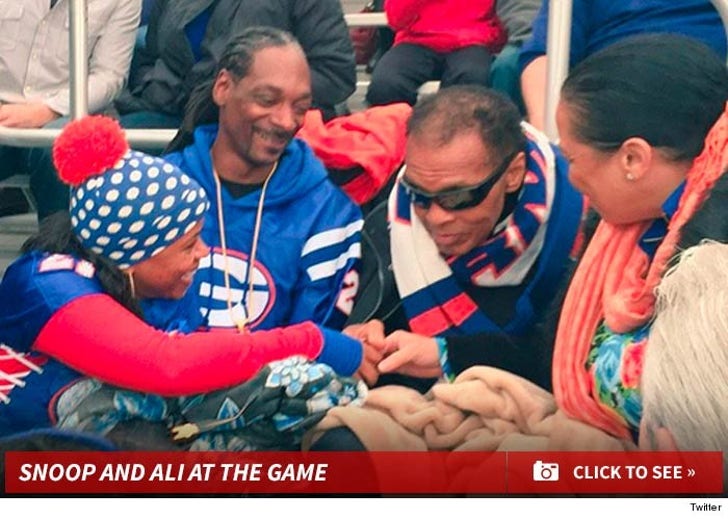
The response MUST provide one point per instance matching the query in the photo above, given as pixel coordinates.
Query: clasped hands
(399, 352)
(25, 115)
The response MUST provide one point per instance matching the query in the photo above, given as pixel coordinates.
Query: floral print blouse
(614, 362)
(615, 365)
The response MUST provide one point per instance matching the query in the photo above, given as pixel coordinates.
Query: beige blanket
(483, 409)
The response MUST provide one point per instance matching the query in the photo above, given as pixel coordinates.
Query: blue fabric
(51, 436)
(150, 119)
(342, 353)
(670, 205)
(598, 23)
(496, 253)
(505, 75)
(35, 287)
(182, 315)
(653, 236)
(292, 283)
(443, 356)
(563, 227)
(147, 6)
(29, 295)
(49, 192)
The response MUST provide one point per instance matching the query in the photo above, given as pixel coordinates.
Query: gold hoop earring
(130, 276)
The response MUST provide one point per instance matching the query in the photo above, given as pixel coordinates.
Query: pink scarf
(615, 282)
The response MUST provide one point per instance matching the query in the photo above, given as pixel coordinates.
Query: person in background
(362, 151)
(597, 24)
(644, 126)
(186, 39)
(453, 42)
(141, 36)
(34, 83)
(517, 16)
(70, 305)
(686, 363)
(476, 237)
(285, 241)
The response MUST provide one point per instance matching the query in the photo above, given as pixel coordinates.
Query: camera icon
(545, 471)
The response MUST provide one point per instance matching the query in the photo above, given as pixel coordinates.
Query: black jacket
(378, 298)
(165, 71)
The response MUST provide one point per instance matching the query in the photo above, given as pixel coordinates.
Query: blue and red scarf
(431, 285)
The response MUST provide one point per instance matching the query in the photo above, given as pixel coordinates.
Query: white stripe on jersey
(329, 268)
(331, 237)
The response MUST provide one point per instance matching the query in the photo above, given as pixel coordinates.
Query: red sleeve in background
(373, 139)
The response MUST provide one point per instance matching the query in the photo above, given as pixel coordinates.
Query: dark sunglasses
(460, 198)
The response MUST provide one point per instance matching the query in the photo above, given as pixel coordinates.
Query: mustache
(276, 133)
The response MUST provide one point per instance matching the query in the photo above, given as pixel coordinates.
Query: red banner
(402, 473)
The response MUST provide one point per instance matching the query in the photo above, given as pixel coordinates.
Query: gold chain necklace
(247, 299)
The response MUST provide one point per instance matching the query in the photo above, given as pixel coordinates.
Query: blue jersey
(33, 289)
(599, 23)
(307, 251)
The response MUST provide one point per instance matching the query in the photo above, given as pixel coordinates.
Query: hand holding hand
(371, 334)
(370, 331)
(411, 354)
(26, 115)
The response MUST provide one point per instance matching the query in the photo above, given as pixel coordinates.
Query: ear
(515, 173)
(222, 87)
(635, 156)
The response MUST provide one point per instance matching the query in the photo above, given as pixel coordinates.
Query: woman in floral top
(642, 124)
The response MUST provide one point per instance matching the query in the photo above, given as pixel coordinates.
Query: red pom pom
(88, 147)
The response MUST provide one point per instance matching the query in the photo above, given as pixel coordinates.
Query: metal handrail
(557, 66)
(79, 64)
(366, 19)
(557, 49)
(139, 137)
(78, 68)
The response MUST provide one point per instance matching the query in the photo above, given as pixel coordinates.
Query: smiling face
(169, 274)
(261, 112)
(625, 185)
(462, 162)
(595, 173)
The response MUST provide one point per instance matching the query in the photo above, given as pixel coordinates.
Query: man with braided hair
(284, 239)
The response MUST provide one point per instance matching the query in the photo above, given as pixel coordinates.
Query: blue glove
(341, 352)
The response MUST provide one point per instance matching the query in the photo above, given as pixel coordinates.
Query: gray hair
(685, 372)
(469, 108)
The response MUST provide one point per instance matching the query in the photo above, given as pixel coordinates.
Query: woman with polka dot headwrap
(70, 305)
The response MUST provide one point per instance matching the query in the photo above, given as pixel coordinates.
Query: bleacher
(147, 137)
(14, 230)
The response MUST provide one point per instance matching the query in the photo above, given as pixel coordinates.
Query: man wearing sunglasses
(476, 236)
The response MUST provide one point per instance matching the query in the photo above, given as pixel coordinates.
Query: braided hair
(236, 59)
(56, 236)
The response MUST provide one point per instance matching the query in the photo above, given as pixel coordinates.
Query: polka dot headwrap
(131, 210)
